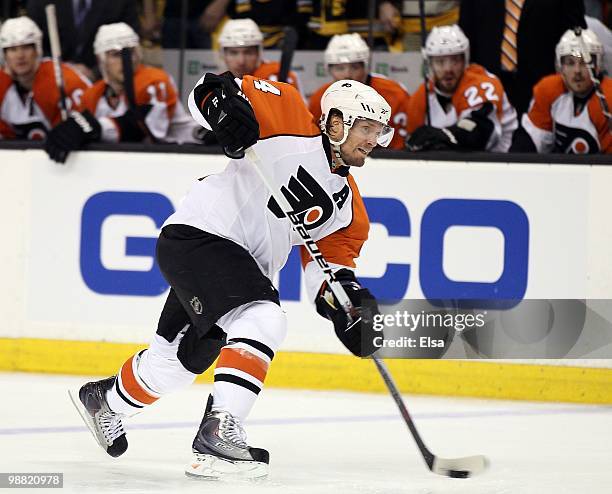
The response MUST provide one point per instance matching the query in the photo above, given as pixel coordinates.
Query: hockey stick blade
(460, 468)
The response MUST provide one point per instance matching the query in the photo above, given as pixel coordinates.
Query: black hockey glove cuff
(132, 127)
(357, 333)
(228, 113)
(428, 138)
(471, 133)
(71, 135)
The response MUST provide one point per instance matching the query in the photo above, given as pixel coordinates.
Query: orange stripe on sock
(132, 387)
(243, 360)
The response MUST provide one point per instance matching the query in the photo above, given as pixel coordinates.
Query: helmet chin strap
(335, 147)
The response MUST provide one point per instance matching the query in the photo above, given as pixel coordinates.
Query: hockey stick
(588, 61)
(128, 78)
(56, 55)
(130, 93)
(425, 62)
(289, 43)
(451, 467)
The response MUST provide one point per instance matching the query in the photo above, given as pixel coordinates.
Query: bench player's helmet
(116, 36)
(346, 48)
(447, 40)
(582, 43)
(237, 33)
(21, 31)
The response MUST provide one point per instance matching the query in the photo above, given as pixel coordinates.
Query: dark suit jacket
(77, 45)
(541, 25)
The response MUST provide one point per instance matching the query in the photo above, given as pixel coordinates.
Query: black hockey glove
(228, 112)
(428, 138)
(71, 135)
(356, 335)
(469, 134)
(131, 125)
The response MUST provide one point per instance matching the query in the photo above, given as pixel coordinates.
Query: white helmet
(447, 40)
(21, 31)
(347, 48)
(356, 101)
(240, 32)
(115, 37)
(576, 42)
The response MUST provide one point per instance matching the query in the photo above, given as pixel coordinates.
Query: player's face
(242, 60)
(576, 75)
(447, 71)
(355, 71)
(113, 65)
(21, 60)
(361, 140)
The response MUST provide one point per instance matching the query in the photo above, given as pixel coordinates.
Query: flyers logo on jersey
(571, 140)
(309, 201)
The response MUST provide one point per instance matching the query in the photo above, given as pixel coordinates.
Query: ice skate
(220, 450)
(104, 424)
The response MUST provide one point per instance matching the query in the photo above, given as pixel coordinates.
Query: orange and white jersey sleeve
(46, 94)
(236, 204)
(476, 87)
(155, 90)
(341, 248)
(76, 84)
(554, 125)
(270, 71)
(538, 121)
(398, 98)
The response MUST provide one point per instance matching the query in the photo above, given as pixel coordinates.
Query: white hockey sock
(254, 332)
(148, 375)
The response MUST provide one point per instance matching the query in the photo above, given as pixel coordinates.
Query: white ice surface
(319, 442)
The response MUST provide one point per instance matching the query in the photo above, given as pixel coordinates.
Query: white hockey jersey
(235, 204)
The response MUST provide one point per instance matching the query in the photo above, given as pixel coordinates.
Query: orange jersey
(155, 94)
(235, 204)
(395, 94)
(554, 125)
(31, 115)
(475, 87)
(270, 70)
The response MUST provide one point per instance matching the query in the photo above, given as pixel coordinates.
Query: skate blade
(208, 467)
(87, 419)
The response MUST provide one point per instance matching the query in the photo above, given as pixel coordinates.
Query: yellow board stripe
(340, 372)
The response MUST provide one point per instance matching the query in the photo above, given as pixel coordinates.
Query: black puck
(459, 474)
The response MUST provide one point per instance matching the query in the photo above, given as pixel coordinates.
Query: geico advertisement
(439, 230)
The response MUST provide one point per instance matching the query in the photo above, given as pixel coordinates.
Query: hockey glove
(132, 127)
(471, 133)
(428, 138)
(228, 113)
(71, 135)
(358, 334)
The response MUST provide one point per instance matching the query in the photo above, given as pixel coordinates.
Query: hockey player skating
(567, 115)
(348, 57)
(105, 114)
(29, 97)
(464, 107)
(221, 249)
